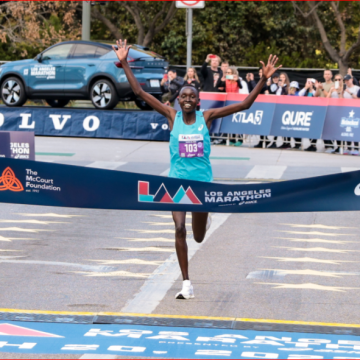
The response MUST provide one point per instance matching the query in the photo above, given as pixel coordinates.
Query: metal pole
(189, 37)
(85, 35)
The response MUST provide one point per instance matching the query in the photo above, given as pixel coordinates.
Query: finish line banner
(39, 183)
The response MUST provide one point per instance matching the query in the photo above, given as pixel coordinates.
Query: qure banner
(46, 184)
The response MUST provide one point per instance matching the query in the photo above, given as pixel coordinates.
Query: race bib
(191, 145)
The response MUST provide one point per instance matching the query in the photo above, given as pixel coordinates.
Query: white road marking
(5, 259)
(266, 172)
(146, 249)
(165, 173)
(98, 356)
(113, 273)
(348, 169)
(162, 279)
(2, 238)
(22, 230)
(108, 165)
(129, 261)
(51, 215)
(37, 222)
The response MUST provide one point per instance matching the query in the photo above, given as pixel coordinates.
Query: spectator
(284, 84)
(250, 81)
(224, 68)
(232, 83)
(212, 75)
(351, 90)
(192, 79)
(322, 89)
(338, 89)
(309, 89)
(349, 72)
(274, 84)
(170, 86)
(294, 88)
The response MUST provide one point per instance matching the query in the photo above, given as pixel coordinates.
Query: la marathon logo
(8, 181)
(163, 196)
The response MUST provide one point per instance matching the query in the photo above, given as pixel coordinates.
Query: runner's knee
(199, 237)
(180, 231)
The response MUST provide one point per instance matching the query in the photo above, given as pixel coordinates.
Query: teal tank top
(190, 149)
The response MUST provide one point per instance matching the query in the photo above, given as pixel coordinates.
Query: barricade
(291, 116)
(114, 124)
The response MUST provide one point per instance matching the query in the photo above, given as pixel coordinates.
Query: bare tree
(147, 25)
(338, 52)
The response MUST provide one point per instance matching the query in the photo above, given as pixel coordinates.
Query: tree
(150, 18)
(339, 18)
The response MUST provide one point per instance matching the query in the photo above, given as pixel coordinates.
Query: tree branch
(305, 15)
(328, 47)
(168, 17)
(133, 9)
(342, 28)
(116, 33)
(352, 48)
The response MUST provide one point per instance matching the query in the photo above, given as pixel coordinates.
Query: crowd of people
(219, 76)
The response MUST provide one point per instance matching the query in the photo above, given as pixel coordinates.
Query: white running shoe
(208, 222)
(187, 291)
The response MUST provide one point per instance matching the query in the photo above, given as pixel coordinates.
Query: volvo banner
(115, 124)
(47, 184)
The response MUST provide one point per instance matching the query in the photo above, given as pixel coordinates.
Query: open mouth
(187, 106)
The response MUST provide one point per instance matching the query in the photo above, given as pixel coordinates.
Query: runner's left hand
(122, 50)
(269, 69)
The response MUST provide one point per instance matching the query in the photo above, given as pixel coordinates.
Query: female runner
(190, 162)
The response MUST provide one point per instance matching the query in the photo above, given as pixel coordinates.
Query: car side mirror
(39, 58)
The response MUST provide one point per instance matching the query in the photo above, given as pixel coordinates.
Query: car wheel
(13, 92)
(141, 104)
(103, 95)
(57, 103)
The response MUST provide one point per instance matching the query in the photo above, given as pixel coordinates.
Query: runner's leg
(199, 221)
(180, 242)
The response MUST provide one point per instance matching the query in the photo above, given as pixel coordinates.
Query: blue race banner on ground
(296, 116)
(47, 184)
(115, 124)
(255, 121)
(342, 120)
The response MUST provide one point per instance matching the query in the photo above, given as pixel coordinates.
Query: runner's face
(188, 99)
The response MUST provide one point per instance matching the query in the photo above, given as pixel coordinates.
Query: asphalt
(293, 266)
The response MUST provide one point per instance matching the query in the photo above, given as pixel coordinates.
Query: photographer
(170, 86)
(232, 83)
(309, 89)
(212, 75)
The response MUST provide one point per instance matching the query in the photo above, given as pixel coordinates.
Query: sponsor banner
(255, 121)
(293, 119)
(135, 125)
(39, 183)
(342, 122)
(171, 342)
(17, 145)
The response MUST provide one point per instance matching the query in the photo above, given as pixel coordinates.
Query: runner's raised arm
(122, 52)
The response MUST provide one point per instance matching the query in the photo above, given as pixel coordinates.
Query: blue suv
(76, 70)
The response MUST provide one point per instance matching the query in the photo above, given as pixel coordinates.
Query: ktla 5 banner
(38, 183)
